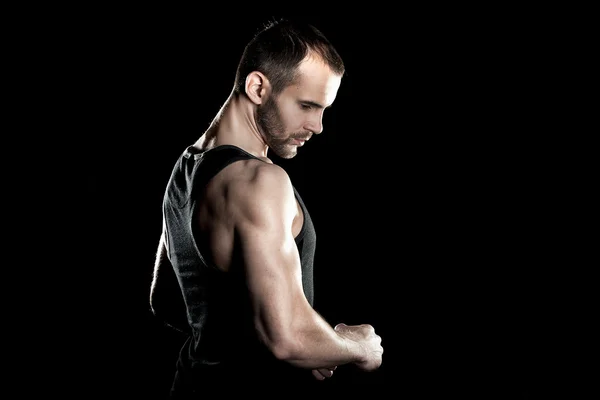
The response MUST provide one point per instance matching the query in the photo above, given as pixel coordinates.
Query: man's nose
(315, 124)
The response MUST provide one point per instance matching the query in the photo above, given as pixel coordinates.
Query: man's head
(292, 73)
(278, 49)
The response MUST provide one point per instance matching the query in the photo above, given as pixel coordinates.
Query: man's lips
(300, 141)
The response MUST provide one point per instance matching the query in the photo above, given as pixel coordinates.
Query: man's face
(289, 119)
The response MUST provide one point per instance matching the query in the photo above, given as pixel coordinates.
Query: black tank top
(223, 339)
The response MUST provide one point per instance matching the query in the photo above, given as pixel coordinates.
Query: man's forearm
(315, 344)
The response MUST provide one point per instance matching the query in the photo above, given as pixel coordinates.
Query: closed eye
(309, 105)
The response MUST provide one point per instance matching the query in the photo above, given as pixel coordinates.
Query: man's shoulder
(252, 188)
(255, 177)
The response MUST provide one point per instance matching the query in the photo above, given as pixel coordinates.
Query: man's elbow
(284, 347)
(156, 311)
(154, 308)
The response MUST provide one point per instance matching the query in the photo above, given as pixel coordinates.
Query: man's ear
(257, 87)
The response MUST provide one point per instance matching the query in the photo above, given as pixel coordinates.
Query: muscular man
(234, 263)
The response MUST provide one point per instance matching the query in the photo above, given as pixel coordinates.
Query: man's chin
(287, 153)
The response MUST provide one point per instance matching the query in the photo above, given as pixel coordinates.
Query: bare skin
(251, 203)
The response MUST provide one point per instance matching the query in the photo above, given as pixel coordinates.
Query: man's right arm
(263, 212)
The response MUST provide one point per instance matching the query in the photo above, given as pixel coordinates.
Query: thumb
(340, 327)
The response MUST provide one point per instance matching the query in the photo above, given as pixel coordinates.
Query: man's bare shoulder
(255, 186)
(255, 177)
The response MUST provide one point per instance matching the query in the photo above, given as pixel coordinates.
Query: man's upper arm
(264, 211)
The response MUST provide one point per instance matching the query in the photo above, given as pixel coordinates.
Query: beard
(270, 125)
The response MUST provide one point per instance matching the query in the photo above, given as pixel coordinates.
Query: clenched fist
(365, 336)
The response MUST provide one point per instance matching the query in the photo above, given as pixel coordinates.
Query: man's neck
(235, 125)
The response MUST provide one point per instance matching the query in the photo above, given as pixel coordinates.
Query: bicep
(273, 278)
(271, 260)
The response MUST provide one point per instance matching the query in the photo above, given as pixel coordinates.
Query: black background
(427, 189)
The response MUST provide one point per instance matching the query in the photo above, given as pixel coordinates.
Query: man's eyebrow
(314, 104)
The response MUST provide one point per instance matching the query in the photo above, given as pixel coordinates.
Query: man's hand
(365, 335)
(323, 373)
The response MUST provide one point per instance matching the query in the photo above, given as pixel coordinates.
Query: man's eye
(305, 106)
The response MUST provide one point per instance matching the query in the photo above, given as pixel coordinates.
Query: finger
(327, 372)
(340, 327)
(317, 374)
(323, 373)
